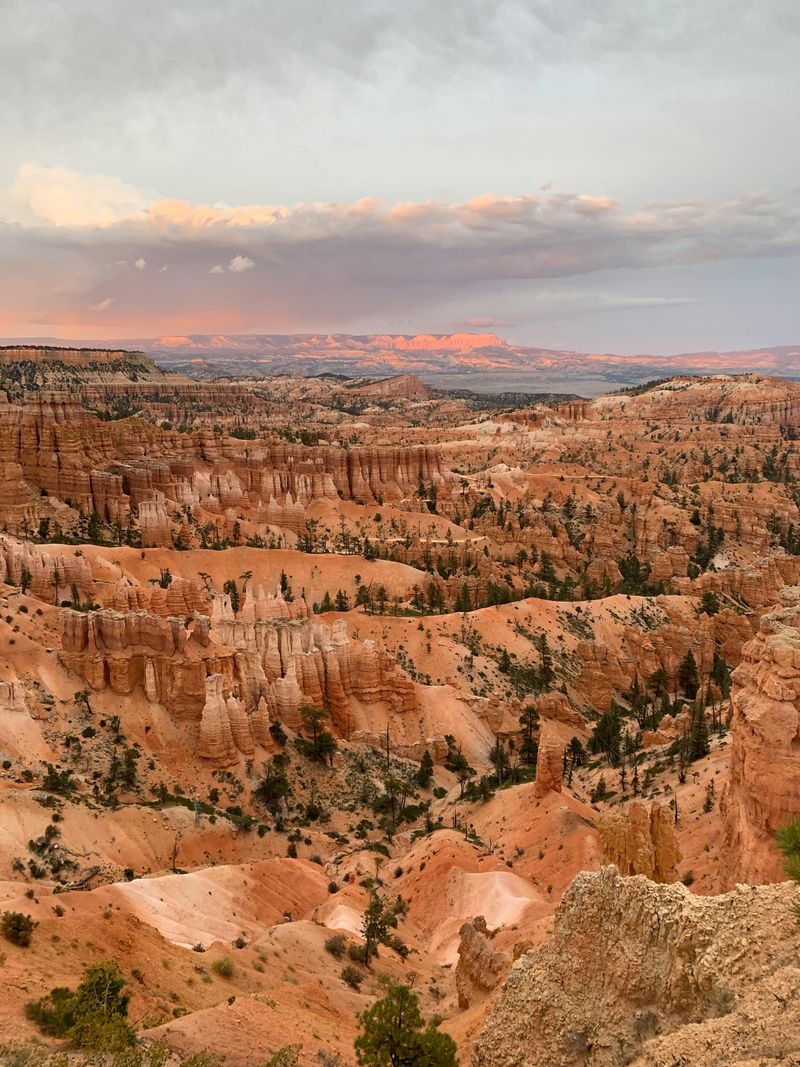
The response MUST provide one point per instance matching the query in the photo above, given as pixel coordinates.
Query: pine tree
(322, 744)
(379, 920)
(425, 772)
(699, 738)
(230, 587)
(529, 721)
(688, 677)
(546, 672)
(394, 1034)
(463, 600)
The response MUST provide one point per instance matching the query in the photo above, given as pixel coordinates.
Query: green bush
(17, 928)
(336, 945)
(224, 967)
(394, 1032)
(55, 1013)
(352, 976)
(358, 954)
(93, 1015)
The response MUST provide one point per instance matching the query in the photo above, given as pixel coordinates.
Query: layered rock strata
(763, 790)
(236, 674)
(639, 838)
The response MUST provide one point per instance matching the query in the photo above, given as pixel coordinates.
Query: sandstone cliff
(235, 674)
(763, 792)
(640, 838)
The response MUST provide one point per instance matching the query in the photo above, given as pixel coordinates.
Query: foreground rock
(635, 969)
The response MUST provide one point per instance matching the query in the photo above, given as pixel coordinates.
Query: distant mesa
(478, 361)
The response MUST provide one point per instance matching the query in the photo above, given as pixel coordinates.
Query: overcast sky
(619, 175)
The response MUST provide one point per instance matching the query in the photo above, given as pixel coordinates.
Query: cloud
(558, 302)
(327, 264)
(239, 264)
(102, 305)
(483, 322)
(205, 47)
(58, 196)
(140, 263)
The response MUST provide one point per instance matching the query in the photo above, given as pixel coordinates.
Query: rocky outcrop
(53, 452)
(398, 387)
(630, 959)
(52, 576)
(154, 524)
(763, 790)
(216, 742)
(555, 706)
(549, 763)
(639, 838)
(607, 670)
(267, 661)
(480, 967)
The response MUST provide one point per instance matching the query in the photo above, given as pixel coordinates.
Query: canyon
(276, 647)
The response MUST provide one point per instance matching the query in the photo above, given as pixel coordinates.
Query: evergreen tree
(788, 841)
(94, 529)
(275, 786)
(463, 599)
(699, 738)
(688, 677)
(425, 772)
(394, 1034)
(498, 757)
(607, 736)
(529, 721)
(380, 918)
(322, 744)
(230, 587)
(546, 672)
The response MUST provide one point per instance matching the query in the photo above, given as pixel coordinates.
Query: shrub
(17, 928)
(336, 945)
(94, 1015)
(224, 967)
(55, 1013)
(400, 947)
(358, 954)
(100, 1009)
(352, 976)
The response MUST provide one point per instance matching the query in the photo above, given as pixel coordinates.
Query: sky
(599, 175)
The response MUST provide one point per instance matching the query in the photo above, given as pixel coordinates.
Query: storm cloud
(265, 267)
